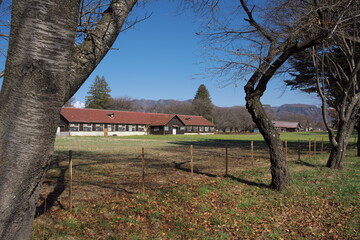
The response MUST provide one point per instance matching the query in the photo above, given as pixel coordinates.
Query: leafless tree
(45, 66)
(256, 38)
(337, 72)
(233, 119)
(123, 104)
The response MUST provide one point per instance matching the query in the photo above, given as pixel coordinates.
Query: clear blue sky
(159, 59)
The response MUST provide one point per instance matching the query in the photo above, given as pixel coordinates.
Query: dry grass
(108, 171)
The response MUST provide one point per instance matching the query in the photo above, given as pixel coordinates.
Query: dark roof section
(284, 124)
(194, 120)
(86, 115)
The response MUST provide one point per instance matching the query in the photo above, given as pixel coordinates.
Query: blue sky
(160, 59)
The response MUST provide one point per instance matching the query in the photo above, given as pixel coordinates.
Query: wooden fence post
(309, 146)
(226, 160)
(286, 150)
(322, 145)
(191, 160)
(299, 150)
(314, 145)
(252, 152)
(143, 169)
(70, 180)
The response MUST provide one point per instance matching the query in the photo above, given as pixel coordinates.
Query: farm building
(284, 126)
(96, 122)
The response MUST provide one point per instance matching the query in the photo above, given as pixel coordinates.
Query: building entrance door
(174, 131)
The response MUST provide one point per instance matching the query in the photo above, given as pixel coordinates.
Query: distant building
(283, 126)
(95, 122)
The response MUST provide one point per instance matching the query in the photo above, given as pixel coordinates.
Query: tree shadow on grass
(247, 182)
(217, 143)
(60, 180)
(303, 163)
(196, 171)
(59, 188)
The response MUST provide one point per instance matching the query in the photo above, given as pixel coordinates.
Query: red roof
(86, 115)
(194, 120)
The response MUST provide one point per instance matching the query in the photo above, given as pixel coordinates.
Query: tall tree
(257, 49)
(332, 70)
(99, 97)
(202, 105)
(45, 66)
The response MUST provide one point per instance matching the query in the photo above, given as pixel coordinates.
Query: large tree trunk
(279, 169)
(358, 136)
(40, 49)
(43, 70)
(338, 145)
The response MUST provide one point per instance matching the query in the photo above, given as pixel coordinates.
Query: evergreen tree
(202, 93)
(99, 97)
(202, 105)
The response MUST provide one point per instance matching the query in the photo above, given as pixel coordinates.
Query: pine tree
(99, 97)
(202, 105)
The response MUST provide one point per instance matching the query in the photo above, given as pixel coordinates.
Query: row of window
(189, 129)
(88, 127)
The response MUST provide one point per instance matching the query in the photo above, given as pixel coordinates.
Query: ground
(109, 202)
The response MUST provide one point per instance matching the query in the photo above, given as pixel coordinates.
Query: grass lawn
(320, 203)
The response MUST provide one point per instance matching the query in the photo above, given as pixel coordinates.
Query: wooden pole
(226, 160)
(286, 150)
(299, 150)
(309, 146)
(70, 180)
(143, 169)
(252, 151)
(191, 160)
(314, 145)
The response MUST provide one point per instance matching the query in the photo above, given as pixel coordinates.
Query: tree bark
(358, 136)
(279, 169)
(339, 144)
(41, 44)
(43, 70)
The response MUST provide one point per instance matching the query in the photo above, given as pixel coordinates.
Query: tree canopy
(201, 104)
(99, 97)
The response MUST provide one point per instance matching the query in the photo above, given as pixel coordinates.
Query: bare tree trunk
(43, 70)
(358, 136)
(279, 169)
(338, 147)
(41, 45)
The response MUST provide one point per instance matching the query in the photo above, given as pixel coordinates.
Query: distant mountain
(144, 104)
(311, 111)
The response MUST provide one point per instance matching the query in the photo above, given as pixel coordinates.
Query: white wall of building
(98, 133)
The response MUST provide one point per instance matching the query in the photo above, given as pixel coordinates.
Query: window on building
(201, 129)
(132, 128)
(62, 128)
(156, 129)
(87, 127)
(99, 127)
(166, 128)
(74, 127)
(206, 129)
(196, 128)
(141, 128)
(111, 127)
(182, 128)
(212, 129)
(189, 128)
(122, 128)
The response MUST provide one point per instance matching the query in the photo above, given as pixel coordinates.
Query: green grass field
(320, 203)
